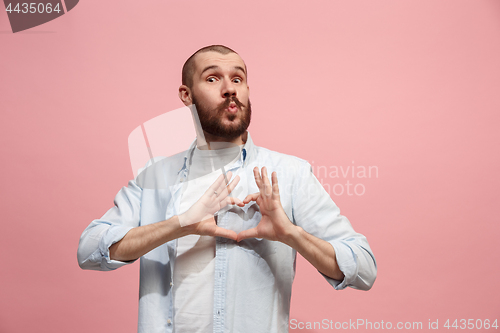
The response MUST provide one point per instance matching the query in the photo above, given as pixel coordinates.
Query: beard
(211, 119)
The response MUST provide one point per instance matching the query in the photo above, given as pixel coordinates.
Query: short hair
(189, 66)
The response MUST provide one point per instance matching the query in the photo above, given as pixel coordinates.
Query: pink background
(411, 87)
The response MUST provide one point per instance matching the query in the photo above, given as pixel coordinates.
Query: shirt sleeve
(316, 213)
(93, 249)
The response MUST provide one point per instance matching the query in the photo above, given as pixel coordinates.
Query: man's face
(220, 94)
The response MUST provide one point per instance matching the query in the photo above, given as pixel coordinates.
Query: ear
(185, 95)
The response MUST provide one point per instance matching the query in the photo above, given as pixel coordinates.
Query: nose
(228, 89)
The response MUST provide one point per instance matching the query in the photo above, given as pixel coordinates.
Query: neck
(215, 142)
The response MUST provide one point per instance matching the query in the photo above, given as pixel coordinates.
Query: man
(218, 252)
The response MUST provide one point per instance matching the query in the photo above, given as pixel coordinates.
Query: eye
(211, 79)
(237, 80)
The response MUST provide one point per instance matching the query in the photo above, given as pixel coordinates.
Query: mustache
(228, 101)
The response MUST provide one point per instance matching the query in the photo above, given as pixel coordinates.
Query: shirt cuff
(347, 261)
(114, 234)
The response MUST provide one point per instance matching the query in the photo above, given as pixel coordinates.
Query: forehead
(223, 61)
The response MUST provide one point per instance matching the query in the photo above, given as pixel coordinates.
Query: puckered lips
(232, 108)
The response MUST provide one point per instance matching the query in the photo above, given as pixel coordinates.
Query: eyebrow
(217, 67)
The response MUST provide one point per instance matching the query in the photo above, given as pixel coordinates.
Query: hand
(200, 217)
(274, 224)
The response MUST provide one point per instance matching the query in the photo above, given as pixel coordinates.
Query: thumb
(249, 233)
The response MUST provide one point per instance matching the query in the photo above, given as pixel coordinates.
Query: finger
(276, 189)
(267, 184)
(233, 184)
(249, 233)
(265, 179)
(232, 201)
(227, 177)
(216, 185)
(222, 184)
(235, 201)
(221, 232)
(226, 190)
(248, 198)
(251, 197)
(219, 190)
(258, 179)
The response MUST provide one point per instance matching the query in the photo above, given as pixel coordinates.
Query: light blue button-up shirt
(253, 278)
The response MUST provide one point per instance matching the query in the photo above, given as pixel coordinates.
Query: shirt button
(169, 321)
(171, 284)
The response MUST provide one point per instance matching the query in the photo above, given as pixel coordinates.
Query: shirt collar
(247, 153)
